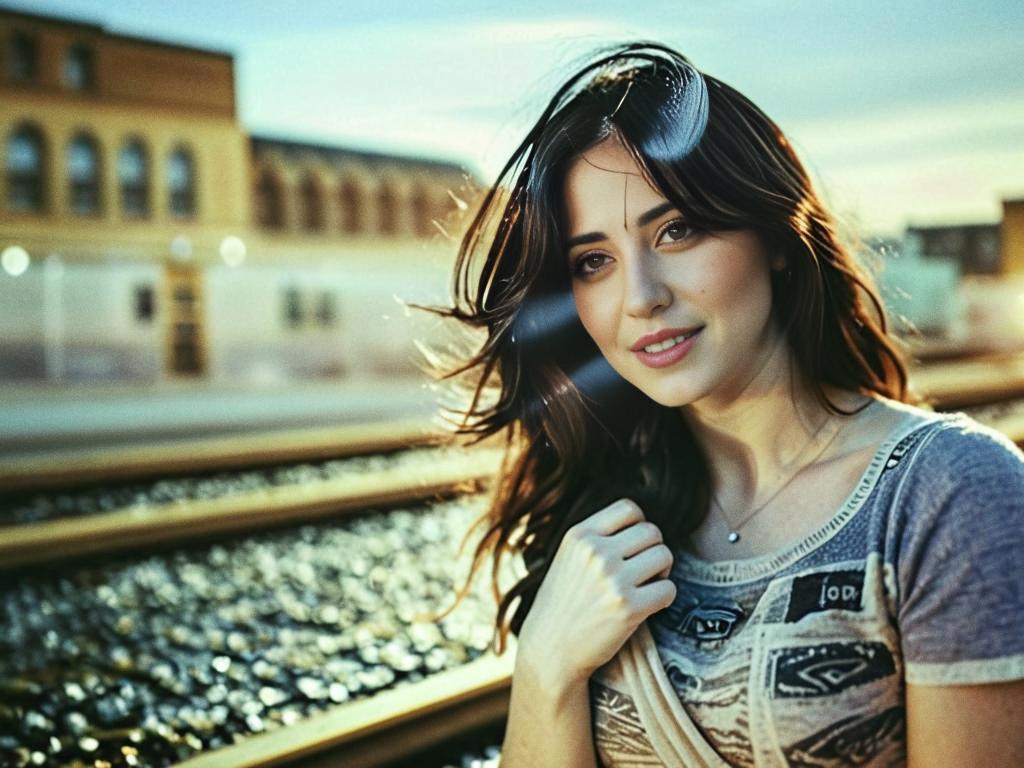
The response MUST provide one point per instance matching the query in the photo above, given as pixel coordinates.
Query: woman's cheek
(595, 315)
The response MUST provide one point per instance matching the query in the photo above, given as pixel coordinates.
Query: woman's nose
(645, 289)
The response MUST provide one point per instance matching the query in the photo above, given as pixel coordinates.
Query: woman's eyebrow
(641, 220)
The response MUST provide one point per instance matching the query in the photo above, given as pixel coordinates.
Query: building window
(350, 204)
(181, 178)
(326, 310)
(78, 68)
(23, 58)
(988, 251)
(387, 222)
(421, 212)
(312, 205)
(133, 179)
(84, 175)
(145, 305)
(269, 208)
(292, 307)
(25, 171)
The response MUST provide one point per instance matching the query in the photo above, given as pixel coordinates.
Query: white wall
(90, 333)
(71, 322)
(372, 334)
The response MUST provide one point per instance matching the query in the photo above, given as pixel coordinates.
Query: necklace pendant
(733, 537)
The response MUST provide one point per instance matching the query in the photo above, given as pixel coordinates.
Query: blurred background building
(959, 284)
(146, 235)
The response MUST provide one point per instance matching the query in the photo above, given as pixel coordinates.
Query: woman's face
(643, 279)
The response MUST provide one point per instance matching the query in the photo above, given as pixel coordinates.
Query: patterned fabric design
(619, 736)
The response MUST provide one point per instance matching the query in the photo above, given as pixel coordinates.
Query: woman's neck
(756, 436)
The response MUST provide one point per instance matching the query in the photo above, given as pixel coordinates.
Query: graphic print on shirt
(852, 741)
(705, 620)
(826, 656)
(826, 669)
(826, 591)
(619, 737)
(902, 449)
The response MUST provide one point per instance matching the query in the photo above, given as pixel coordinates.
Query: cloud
(901, 130)
(873, 124)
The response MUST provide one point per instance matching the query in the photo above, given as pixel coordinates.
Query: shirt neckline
(752, 568)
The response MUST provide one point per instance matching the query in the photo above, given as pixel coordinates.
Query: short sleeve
(960, 561)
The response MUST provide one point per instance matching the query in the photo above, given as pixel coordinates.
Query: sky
(905, 112)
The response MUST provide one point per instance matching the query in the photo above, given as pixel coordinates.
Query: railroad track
(376, 731)
(221, 505)
(172, 656)
(397, 722)
(394, 476)
(78, 467)
(977, 381)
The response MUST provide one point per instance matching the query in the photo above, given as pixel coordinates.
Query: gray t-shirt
(800, 658)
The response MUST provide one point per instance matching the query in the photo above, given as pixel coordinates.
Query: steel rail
(392, 725)
(61, 469)
(957, 384)
(130, 528)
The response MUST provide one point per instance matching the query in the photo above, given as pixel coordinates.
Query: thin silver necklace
(734, 530)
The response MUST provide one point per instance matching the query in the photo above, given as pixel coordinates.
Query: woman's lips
(668, 356)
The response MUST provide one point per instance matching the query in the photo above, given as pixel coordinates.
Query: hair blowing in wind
(577, 435)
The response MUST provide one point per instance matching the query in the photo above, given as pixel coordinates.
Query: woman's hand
(608, 575)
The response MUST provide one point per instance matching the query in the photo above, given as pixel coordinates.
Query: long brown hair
(577, 435)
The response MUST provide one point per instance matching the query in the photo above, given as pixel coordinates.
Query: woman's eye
(676, 231)
(589, 263)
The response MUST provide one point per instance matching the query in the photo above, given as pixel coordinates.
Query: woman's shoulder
(955, 479)
(961, 451)
(953, 447)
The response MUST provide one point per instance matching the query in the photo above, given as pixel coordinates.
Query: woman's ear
(778, 262)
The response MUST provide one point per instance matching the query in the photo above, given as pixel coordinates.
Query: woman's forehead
(610, 156)
(606, 182)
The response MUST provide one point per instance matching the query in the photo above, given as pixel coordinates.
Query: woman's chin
(665, 394)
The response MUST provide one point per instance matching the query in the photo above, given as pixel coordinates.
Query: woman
(745, 542)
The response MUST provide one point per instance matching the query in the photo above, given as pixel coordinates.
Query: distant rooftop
(331, 152)
(340, 154)
(98, 28)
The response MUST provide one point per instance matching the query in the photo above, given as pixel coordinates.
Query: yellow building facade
(126, 155)
(158, 98)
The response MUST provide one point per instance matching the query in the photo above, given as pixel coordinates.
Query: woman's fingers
(636, 538)
(647, 565)
(655, 596)
(614, 517)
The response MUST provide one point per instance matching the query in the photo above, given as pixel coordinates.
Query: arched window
(84, 175)
(387, 215)
(269, 202)
(421, 212)
(133, 179)
(26, 191)
(350, 207)
(181, 180)
(78, 68)
(312, 204)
